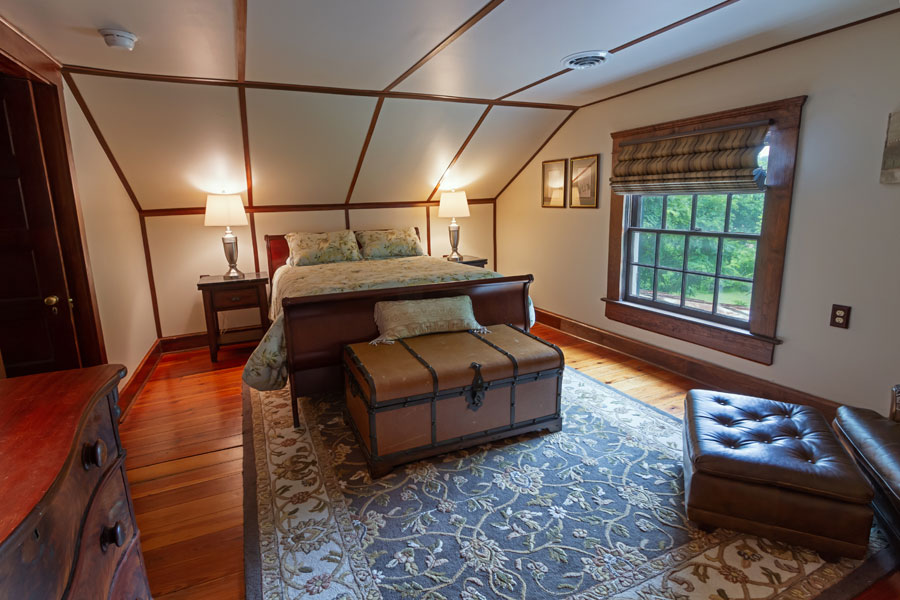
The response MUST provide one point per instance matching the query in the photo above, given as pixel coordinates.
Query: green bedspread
(267, 368)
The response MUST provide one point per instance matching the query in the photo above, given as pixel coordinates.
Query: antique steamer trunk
(431, 394)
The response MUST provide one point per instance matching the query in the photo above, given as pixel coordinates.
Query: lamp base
(453, 229)
(230, 243)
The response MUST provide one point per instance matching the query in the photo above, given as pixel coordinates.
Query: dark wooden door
(37, 333)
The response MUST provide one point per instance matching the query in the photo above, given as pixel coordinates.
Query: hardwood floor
(183, 437)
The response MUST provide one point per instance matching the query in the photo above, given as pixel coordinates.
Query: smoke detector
(585, 60)
(118, 38)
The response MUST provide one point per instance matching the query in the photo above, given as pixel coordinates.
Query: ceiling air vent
(585, 60)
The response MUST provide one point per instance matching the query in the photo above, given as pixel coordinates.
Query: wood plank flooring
(183, 438)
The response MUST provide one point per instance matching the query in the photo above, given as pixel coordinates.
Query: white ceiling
(175, 141)
(367, 44)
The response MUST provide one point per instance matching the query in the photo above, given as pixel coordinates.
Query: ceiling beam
(316, 89)
(457, 33)
(459, 152)
(273, 208)
(240, 39)
(365, 148)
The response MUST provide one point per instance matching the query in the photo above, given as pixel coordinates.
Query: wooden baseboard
(192, 341)
(707, 374)
(137, 380)
(185, 341)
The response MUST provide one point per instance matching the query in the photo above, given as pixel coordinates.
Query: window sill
(723, 338)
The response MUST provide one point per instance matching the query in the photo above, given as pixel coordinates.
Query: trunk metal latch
(475, 397)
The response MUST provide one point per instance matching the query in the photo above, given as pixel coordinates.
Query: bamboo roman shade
(721, 161)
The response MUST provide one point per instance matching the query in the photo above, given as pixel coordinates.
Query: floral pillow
(319, 248)
(410, 318)
(389, 243)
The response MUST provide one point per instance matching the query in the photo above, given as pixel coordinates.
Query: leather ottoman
(774, 470)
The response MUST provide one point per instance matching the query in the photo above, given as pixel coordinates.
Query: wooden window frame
(758, 341)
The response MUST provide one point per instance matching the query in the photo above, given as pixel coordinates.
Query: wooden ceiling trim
(245, 135)
(103, 144)
(315, 89)
(672, 26)
(541, 147)
(538, 82)
(149, 263)
(240, 41)
(494, 209)
(457, 33)
(460, 151)
(362, 152)
(274, 208)
(749, 55)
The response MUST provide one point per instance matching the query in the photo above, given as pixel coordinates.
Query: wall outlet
(840, 316)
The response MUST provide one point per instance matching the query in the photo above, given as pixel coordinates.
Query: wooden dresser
(67, 527)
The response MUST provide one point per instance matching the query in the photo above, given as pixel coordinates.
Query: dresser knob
(93, 455)
(235, 298)
(112, 535)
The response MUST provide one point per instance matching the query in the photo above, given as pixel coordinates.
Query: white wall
(115, 248)
(843, 243)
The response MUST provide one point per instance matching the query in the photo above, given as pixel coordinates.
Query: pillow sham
(389, 243)
(408, 318)
(319, 248)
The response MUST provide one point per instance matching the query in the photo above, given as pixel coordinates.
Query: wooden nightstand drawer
(222, 294)
(235, 298)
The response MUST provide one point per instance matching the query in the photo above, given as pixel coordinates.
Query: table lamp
(453, 204)
(227, 210)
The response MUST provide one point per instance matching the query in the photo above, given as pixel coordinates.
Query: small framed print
(583, 174)
(553, 183)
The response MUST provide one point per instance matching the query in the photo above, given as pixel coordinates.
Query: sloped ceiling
(345, 101)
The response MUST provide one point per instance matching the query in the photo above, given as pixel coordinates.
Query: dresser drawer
(108, 532)
(39, 563)
(237, 298)
(130, 580)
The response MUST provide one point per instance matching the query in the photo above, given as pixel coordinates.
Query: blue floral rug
(593, 511)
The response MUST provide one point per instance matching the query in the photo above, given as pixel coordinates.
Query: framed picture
(890, 164)
(553, 183)
(583, 181)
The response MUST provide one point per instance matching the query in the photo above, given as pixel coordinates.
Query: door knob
(51, 300)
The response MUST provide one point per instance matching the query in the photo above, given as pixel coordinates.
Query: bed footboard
(317, 328)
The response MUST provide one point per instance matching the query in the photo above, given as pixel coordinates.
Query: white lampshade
(453, 204)
(225, 210)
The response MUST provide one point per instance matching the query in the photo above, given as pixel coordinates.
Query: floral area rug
(593, 511)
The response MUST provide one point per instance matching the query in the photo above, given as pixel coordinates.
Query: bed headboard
(277, 252)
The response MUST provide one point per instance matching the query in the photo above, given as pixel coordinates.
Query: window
(696, 245)
(695, 255)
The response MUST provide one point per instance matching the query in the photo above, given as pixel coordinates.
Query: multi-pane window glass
(695, 254)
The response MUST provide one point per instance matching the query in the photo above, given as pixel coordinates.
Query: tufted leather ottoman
(775, 470)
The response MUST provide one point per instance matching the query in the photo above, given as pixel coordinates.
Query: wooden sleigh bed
(316, 328)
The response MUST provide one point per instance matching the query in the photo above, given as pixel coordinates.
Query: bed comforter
(267, 367)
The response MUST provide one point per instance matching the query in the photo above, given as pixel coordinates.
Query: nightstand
(220, 295)
(475, 261)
